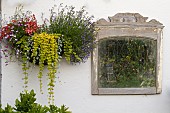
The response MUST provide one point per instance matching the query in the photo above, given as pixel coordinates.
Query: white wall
(74, 90)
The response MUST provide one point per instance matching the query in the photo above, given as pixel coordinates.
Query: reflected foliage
(127, 62)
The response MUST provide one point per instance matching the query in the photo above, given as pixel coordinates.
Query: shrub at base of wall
(27, 104)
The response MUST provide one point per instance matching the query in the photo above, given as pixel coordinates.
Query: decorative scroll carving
(135, 18)
(153, 21)
(128, 17)
(102, 21)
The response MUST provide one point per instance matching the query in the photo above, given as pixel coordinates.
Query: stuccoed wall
(73, 87)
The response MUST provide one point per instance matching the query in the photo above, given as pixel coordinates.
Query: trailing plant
(27, 104)
(70, 34)
(48, 47)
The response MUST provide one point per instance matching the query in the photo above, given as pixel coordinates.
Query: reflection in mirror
(126, 62)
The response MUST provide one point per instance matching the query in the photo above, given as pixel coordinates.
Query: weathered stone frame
(128, 24)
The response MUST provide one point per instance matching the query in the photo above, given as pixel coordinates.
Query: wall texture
(73, 87)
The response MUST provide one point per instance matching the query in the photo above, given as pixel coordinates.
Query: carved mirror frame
(131, 25)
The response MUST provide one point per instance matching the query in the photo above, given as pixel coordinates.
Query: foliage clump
(77, 29)
(27, 104)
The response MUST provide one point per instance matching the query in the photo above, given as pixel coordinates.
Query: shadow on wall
(18, 2)
(107, 1)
